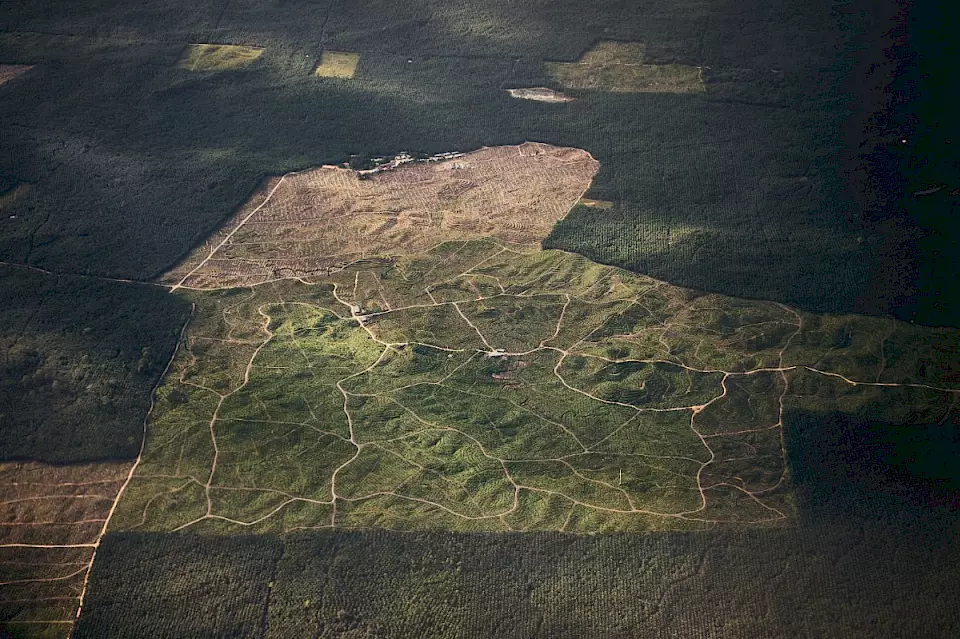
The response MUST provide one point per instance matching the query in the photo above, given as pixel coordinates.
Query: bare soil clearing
(620, 67)
(10, 71)
(317, 221)
(540, 94)
(51, 520)
(337, 64)
(596, 204)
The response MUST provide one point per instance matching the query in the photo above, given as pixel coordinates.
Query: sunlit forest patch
(622, 67)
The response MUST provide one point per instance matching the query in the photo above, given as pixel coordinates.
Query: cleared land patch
(10, 71)
(476, 386)
(337, 64)
(621, 67)
(311, 223)
(217, 57)
(78, 357)
(51, 520)
(596, 204)
(540, 94)
(427, 378)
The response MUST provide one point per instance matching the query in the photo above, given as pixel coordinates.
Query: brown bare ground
(10, 71)
(51, 517)
(317, 221)
(539, 94)
(14, 194)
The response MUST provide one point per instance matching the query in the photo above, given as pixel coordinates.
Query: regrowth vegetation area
(479, 386)
(218, 57)
(337, 64)
(486, 384)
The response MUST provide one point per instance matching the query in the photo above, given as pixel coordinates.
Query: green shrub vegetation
(482, 387)
(217, 57)
(622, 67)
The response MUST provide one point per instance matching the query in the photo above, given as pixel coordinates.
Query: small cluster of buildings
(388, 164)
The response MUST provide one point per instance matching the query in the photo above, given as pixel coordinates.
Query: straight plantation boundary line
(133, 468)
(102, 278)
(231, 233)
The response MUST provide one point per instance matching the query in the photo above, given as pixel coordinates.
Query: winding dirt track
(709, 484)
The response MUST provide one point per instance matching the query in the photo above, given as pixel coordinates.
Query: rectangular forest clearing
(217, 57)
(337, 64)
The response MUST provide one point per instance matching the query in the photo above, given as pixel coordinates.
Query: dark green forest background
(79, 358)
(786, 180)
